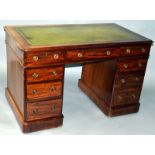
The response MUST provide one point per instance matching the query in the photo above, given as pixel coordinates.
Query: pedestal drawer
(44, 90)
(126, 96)
(129, 80)
(132, 65)
(43, 109)
(44, 74)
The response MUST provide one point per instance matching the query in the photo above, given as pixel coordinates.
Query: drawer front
(44, 90)
(78, 55)
(44, 74)
(43, 109)
(142, 50)
(129, 80)
(43, 58)
(132, 65)
(128, 96)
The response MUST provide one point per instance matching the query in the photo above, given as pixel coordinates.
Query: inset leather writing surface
(76, 34)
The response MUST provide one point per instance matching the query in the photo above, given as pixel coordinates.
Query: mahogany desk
(114, 61)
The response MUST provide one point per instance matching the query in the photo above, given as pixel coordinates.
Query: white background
(79, 10)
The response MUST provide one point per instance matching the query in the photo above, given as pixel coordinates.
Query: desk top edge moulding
(33, 37)
(113, 58)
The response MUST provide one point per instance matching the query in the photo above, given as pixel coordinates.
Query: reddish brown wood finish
(43, 109)
(35, 125)
(15, 79)
(127, 80)
(44, 74)
(126, 96)
(44, 90)
(78, 55)
(132, 65)
(44, 58)
(112, 76)
(107, 108)
(99, 78)
(135, 50)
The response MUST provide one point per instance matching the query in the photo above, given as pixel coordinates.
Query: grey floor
(81, 115)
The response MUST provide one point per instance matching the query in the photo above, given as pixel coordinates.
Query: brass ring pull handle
(53, 108)
(126, 66)
(143, 50)
(140, 65)
(56, 56)
(35, 75)
(53, 89)
(128, 51)
(54, 73)
(134, 96)
(35, 111)
(119, 97)
(80, 55)
(35, 58)
(108, 53)
(137, 79)
(34, 92)
(122, 80)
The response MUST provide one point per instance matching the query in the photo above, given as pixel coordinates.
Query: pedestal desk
(114, 61)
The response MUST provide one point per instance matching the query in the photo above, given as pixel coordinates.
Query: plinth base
(33, 125)
(109, 111)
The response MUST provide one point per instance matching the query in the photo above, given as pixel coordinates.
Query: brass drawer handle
(126, 66)
(140, 65)
(35, 111)
(54, 73)
(56, 56)
(35, 75)
(34, 92)
(53, 89)
(35, 58)
(143, 50)
(128, 51)
(80, 55)
(108, 53)
(53, 108)
(120, 97)
(122, 80)
(134, 96)
(137, 79)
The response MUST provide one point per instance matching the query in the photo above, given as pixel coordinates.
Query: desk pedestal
(105, 85)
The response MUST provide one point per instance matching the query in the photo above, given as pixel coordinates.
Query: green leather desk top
(76, 34)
